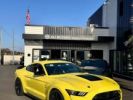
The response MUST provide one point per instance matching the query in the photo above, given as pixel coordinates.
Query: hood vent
(90, 77)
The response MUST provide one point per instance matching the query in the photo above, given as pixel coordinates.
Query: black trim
(83, 42)
(20, 67)
(32, 97)
(90, 77)
(41, 37)
(111, 95)
(33, 36)
(50, 26)
(102, 27)
(35, 25)
(105, 38)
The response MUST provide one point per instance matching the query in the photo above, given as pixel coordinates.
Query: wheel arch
(60, 89)
(22, 83)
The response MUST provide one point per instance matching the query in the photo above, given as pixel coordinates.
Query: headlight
(76, 93)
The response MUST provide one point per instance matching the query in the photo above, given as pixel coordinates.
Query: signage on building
(70, 37)
(69, 33)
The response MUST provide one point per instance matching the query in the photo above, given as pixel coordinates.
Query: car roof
(51, 61)
(94, 60)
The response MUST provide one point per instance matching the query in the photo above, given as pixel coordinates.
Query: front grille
(112, 95)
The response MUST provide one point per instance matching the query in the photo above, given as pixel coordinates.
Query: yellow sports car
(62, 80)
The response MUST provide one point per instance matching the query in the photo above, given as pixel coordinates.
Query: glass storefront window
(123, 62)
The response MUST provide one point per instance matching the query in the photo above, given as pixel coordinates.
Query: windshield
(61, 68)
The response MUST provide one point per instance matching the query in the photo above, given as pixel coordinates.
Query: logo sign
(47, 36)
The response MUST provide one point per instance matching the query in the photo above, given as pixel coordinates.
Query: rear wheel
(19, 88)
(56, 95)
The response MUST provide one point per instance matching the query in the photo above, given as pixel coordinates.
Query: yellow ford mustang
(61, 80)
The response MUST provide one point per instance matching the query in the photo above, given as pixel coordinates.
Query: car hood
(87, 81)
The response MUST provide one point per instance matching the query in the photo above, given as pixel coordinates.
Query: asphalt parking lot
(7, 78)
(7, 86)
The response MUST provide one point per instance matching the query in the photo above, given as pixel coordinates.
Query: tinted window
(39, 69)
(95, 63)
(61, 68)
(30, 68)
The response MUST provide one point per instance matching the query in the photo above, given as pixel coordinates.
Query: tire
(18, 88)
(55, 95)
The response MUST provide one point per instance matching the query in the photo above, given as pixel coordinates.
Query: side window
(30, 68)
(39, 69)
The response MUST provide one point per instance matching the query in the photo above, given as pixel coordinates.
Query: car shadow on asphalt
(31, 97)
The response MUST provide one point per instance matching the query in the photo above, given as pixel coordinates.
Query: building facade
(68, 43)
(118, 16)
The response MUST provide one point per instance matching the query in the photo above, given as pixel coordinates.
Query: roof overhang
(42, 37)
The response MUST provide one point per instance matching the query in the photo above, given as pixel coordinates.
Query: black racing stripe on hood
(90, 77)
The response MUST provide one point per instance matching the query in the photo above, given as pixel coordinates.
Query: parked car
(96, 66)
(62, 80)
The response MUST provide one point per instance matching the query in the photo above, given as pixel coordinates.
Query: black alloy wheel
(19, 88)
(56, 95)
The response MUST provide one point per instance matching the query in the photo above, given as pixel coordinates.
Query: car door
(28, 75)
(36, 81)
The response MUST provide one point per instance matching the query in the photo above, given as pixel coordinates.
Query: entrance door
(65, 54)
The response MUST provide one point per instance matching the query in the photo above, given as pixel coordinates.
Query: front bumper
(99, 96)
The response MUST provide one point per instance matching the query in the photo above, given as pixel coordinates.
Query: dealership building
(68, 43)
(108, 35)
(117, 15)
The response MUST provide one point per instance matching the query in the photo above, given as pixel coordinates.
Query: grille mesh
(113, 95)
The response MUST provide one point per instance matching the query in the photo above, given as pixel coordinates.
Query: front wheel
(19, 88)
(56, 95)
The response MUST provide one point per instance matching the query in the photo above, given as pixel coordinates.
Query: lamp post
(0, 46)
(13, 46)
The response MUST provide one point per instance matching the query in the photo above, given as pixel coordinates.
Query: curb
(125, 84)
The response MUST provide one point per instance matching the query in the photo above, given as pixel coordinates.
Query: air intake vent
(113, 95)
